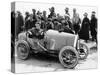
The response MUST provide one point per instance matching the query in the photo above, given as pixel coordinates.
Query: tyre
(83, 51)
(23, 49)
(68, 57)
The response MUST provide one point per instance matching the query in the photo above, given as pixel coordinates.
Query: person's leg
(96, 37)
(93, 34)
(75, 29)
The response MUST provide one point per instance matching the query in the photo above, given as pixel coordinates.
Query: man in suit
(93, 26)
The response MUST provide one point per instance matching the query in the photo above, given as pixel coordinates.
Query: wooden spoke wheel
(22, 49)
(68, 57)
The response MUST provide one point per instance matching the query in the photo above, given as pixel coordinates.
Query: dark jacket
(93, 26)
(19, 23)
(36, 33)
(29, 24)
(84, 31)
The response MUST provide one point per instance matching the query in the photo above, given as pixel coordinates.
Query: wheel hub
(69, 58)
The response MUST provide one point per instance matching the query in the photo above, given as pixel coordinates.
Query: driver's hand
(30, 33)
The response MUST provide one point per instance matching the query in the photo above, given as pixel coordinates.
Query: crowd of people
(84, 28)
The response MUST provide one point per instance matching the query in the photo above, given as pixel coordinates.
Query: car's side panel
(54, 40)
(57, 40)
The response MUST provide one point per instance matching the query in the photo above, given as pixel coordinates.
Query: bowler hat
(85, 14)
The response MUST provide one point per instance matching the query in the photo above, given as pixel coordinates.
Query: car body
(64, 45)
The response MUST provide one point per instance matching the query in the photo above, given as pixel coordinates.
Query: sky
(59, 8)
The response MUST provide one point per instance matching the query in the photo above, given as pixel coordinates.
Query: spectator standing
(19, 23)
(43, 20)
(34, 16)
(67, 12)
(29, 23)
(93, 26)
(49, 24)
(76, 21)
(84, 31)
(52, 12)
(27, 16)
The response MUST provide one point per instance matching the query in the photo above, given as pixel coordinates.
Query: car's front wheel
(22, 49)
(68, 57)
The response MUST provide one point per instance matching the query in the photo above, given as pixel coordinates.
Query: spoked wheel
(68, 57)
(22, 50)
(83, 51)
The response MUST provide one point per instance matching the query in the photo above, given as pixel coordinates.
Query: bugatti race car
(67, 47)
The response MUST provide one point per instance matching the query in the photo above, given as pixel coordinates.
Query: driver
(36, 32)
(37, 36)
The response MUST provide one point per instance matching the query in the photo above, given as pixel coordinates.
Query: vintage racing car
(67, 47)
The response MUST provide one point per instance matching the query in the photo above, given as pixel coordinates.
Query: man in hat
(34, 11)
(34, 16)
(56, 24)
(93, 26)
(49, 24)
(84, 31)
(67, 17)
(67, 11)
(26, 15)
(76, 21)
(44, 17)
(52, 12)
(29, 23)
(39, 14)
(43, 20)
(19, 23)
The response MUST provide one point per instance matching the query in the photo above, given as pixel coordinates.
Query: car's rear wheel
(68, 57)
(22, 49)
(83, 51)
